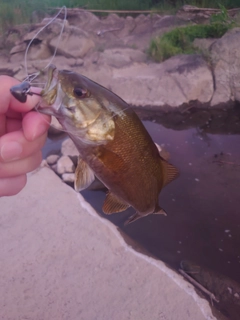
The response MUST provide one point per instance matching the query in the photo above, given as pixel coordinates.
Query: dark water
(203, 204)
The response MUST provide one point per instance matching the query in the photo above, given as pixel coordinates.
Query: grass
(13, 12)
(180, 40)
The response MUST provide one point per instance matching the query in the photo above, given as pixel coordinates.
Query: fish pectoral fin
(111, 160)
(113, 204)
(84, 176)
(169, 172)
(133, 218)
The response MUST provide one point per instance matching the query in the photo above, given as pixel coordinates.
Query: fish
(112, 142)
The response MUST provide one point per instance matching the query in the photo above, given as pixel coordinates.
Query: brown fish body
(113, 144)
(130, 165)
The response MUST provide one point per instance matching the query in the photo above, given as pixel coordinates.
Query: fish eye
(79, 92)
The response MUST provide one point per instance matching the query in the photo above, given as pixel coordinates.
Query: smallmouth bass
(113, 143)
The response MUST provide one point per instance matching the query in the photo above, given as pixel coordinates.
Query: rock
(39, 51)
(121, 57)
(84, 19)
(75, 43)
(39, 34)
(65, 165)
(225, 54)
(168, 21)
(18, 48)
(203, 44)
(68, 177)
(95, 57)
(55, 127)
(68, 148)
(9, 68)
(52, 159)
(129, 25)
(176, 81)
(143, 24)
(54, 168)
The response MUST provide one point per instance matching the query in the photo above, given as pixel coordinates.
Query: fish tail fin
(137, 216)
(133, 218)
(160, 210)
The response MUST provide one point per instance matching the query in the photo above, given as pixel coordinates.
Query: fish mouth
(51, 99)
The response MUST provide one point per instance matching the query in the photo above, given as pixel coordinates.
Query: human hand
(22, 135)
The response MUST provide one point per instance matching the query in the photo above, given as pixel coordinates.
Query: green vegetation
(13, 12)
(180, 40)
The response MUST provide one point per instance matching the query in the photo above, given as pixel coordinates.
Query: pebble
(52, 159)
(68, 148)
(65, 165)
(68, 177)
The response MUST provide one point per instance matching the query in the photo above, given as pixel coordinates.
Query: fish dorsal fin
(169, 172)
(84, 176)
(113, 204)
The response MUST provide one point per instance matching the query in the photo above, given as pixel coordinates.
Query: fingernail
(39, 130)
(11, 151)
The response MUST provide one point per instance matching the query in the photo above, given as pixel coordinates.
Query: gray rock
(68, 148)
(68, 177)
(69, 263)
(225, 54)
(39, 52)
(203, 44)
(168, 21)
(121, 57)
(65, 165)
(52, 159)
(172, 83)
(75, 43)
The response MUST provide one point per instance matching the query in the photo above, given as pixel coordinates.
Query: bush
(180, 40)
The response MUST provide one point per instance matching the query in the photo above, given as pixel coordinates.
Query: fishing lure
(22, 90)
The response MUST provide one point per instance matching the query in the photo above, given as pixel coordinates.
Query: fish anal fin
(113, 204)
(169, 172)
(84, 176)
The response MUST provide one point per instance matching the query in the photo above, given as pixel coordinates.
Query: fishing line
(33, 76)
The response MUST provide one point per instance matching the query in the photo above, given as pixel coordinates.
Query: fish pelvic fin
(169, 172)
(113, 204)
(84, 176)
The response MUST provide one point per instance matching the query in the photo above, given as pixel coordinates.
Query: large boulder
(225, 54)
(174, 82)
(74, 43)
(121, 57)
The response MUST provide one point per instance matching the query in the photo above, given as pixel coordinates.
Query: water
(203, 204)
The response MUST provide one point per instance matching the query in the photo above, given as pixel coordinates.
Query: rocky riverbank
(113, 52)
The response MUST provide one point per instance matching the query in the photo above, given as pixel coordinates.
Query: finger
(20, 167)
(14, 146)
(13, 125)
(8, 101)
(13, 185)
(35, 124)
(3, 124)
